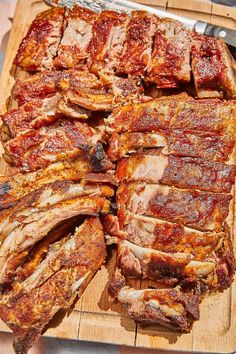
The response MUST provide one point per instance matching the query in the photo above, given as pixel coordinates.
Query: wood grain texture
(94, 316)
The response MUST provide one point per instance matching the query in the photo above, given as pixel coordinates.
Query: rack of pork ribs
(108, 144)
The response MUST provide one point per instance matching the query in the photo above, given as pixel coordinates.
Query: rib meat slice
(175, 112)
(73, 49)
(161, 235)
(180, 143)
(39, 212)
(195, 209)
(171, 308)
(72, 110)
(214, 69)
(39, 252)
(170, 62)
(86, 90)
(54, 285)
(34, 149)
(125, 90)
(72, 169)
(137, 50)
(127, 143)
(139, 262)
(31, 115)
(39, 86)
(213, 268)
(108, 38)
(183, 172)
(40, 45)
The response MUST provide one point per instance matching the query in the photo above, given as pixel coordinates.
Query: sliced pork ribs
(213, 67)
(39, 211)
(178, 125)
(106, 45)
(137, 51)
(54, 284)
(34, 149)
(74, 169)
(161, 51)
(169, 307)
(73, 49)
(40, 45)
(170, 60)
(174, 202)
(183, 172)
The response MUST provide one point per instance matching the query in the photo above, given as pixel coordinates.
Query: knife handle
(228, 35)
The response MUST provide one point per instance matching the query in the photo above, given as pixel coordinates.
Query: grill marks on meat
(105, 48)
(23, 225)
(53, 285)
(40, 45)
(201, 210)
(167, 307)
(199, 174)
(204, 247)
(170, 62)
(11, 190)
(171, 308)
(213, 68)
(73, 49)
(136, 54)
(179, 143)
(34, 149)
(175, 112)
(182, 172)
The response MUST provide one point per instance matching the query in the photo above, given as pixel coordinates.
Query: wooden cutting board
(94, 317)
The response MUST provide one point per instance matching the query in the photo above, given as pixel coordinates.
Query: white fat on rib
(50, 104)
(130, 296)
(197, 268)
(78, 32)
(25, 236)
(140, 230)
(114, 45)
(50, 264)
(79, 282)
(150, 168)
(139, 201)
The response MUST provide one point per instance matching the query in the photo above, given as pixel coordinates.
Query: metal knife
(126, 6)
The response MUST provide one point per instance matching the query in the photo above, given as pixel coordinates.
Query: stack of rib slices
(125, 127)
(173, 203)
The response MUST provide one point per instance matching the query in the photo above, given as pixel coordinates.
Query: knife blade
(227, 34)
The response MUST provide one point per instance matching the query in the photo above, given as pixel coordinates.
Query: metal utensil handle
(228, 35)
